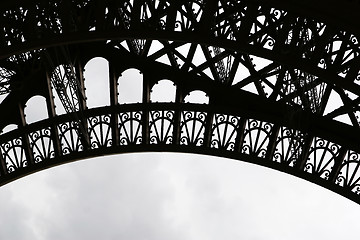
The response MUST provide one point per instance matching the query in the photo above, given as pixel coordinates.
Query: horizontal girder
(263, 30)
(344, 14)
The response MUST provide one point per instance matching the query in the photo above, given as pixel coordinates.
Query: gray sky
(171, 196)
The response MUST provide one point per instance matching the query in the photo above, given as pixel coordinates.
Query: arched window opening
(163, 91)
(130, 87)
(197, 96)
(9, 128)
(97, 82)
(62, 84)
(35, 109)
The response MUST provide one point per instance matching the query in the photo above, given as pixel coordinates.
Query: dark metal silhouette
(292, 57)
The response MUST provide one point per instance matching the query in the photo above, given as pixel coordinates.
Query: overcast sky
(162, 196)
(171, 196)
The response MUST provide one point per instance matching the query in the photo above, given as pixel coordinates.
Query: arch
(181, 128)
(35, 109)
(96, 81)
(9, 128)
(40, 141)
(192, 128)
(163, 91)
(349, 174)
(197, 96)
(282, 121)
(13, 155)
(130, 87)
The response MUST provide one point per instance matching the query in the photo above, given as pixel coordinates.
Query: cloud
(99, 199)
(170, 196)
(14, 217)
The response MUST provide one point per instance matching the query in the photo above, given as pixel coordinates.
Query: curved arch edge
(21, 173)
(187, 128)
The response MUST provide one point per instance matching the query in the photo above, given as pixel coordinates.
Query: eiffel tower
(280, 81)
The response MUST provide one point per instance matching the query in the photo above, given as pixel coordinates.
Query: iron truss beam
(271, 72)
(341, 13)
(267, 32)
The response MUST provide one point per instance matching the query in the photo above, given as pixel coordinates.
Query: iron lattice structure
(270, 68)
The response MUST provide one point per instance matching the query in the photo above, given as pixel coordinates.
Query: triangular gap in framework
(200, 60)
(259, 63)
(184, 51)
(333, 103)
(208, 72)
(125, 45)
(164, 59)
(251, 88)
(344, 119)
(268, 81)
(155, 47)
(241, 73)
(199, 56)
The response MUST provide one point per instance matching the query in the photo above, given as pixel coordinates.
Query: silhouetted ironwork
(282, 82)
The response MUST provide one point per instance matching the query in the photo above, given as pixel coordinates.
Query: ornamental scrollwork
(256, 137)
(188, 15)
(289, 145)
(267, 23)
(349, 175)
(41, 144)
(196, 130)
(70, 138)
(130, 127)
(224, 131)
(100, 131)
(321, 157)
(341, 59)
(161, 124)
(225, 26)
(13, 154)
(265, 27)
(192, 127)
(299, 70)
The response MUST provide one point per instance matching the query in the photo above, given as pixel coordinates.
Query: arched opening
(96, 82)
(130, 87)
(35, 109)
(64, 86)
(9, 128)
(160, 121)
(163, 91)
(197, 96)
